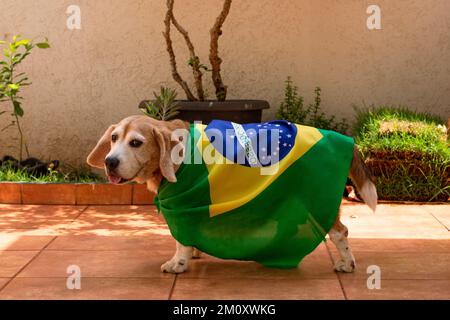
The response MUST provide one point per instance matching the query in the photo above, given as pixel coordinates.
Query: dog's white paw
(175, 266)
(343, 266)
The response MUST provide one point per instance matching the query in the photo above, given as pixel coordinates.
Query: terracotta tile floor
(119, 250)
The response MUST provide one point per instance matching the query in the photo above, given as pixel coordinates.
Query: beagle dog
(138, 148)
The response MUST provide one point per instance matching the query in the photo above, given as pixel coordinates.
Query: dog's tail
(361, 177)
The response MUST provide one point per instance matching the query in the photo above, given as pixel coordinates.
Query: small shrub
(407, 152)
(164, 107)
(292, 109)
(12, 82)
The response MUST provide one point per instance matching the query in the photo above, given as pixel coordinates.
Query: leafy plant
(164, 107)
(292, 109)
(11, 82)
(406, 151)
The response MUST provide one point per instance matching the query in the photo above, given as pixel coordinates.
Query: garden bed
(407, 153)
(74, 193)
(67, 187)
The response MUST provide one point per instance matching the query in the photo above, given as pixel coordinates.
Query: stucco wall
(95, 76)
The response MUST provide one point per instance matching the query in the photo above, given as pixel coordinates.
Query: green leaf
(18, 109)
(22, 42)
(43, 45)
(12, 47)
(16, 57)
(14, 86)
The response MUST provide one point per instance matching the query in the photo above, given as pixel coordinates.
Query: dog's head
(138, 148)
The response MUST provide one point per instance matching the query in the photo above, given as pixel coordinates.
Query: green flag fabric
(266, 192)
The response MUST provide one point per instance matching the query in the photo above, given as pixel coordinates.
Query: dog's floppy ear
(97, 156)
(166, 165)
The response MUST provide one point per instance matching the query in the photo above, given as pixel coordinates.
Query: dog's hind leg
(179, 262)
(338, 235)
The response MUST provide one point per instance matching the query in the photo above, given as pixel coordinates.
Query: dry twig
(176, 76)
(195, 61)
(215, 60)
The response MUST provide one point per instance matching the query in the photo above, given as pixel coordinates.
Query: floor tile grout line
(27, 264)
(438, 221)
(436, 218)
(76, 218)
(443, 278)
(81, 212)
(172, 289)
(341, 284)
(118, 277)
(260, 279)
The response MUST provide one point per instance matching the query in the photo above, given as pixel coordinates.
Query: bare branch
(215, 60)
(195, 60)
(176, 76)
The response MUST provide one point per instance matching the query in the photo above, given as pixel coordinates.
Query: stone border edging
(74, 193)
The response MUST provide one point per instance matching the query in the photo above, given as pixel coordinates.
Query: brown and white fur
(138, 148)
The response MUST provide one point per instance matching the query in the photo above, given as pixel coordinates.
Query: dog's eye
(135, 143)
(114, 138)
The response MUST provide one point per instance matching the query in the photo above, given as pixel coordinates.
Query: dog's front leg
(179, 262)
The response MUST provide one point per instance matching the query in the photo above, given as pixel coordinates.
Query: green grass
(69, 175)
(418, 144)
(400, 185)
(426, 138)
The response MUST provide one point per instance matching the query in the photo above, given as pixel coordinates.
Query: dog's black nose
(112, 163)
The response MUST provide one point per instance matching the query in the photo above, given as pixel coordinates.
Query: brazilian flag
(266, 192)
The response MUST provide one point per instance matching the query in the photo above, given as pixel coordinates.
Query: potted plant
(197, 106)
